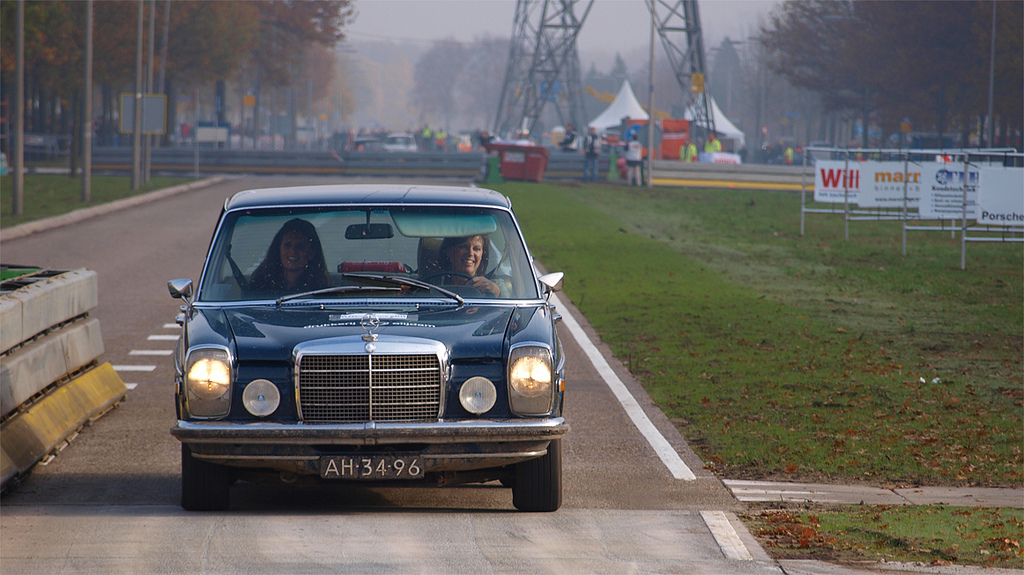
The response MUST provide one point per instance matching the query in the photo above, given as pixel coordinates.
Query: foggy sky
(612, 26)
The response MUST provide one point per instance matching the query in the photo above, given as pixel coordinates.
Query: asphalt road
(108, 503)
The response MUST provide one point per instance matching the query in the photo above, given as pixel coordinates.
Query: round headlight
(531, 376)
(209, 378)
(261, 398)
(477, 395)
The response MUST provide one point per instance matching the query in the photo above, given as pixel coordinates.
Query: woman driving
(466, 257)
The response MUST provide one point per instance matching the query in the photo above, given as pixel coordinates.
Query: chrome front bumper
(441, 446)
(443, 432)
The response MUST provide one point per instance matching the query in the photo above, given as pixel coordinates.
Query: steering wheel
(449, 274)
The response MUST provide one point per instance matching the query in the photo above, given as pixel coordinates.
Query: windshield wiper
(406, 282)
(334, 290)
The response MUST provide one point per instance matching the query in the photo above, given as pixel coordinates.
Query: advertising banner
(833, 180)
(882, 184)
(942, 194)
(1001, 197)
(995, 195)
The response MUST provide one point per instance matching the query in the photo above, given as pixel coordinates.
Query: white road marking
(171, 326)
(151, 352)
(661, 446)
(131, 386)
(725, 535)
(134, 367)
(162, 338)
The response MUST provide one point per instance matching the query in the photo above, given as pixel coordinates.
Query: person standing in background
(592, 151)
(634, 161)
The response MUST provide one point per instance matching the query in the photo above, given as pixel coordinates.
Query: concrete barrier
(50, 383)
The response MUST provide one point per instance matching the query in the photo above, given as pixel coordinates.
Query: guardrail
(207, 161)
(412, 164)
(561, 166)
(50, 382)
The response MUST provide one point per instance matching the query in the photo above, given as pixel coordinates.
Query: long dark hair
(269, 276)
(447, 243)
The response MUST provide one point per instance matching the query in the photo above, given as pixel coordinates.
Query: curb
(83, 214)
(768, 491)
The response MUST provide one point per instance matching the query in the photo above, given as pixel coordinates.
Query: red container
(521, 161)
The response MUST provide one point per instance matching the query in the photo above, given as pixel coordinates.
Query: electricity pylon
(678, 25)
(543, 66)
(543, 63)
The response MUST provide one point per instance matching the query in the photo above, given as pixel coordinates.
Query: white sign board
(211, 134)
(718, 158)
(942, 192)
(1001, 197)
(882, 184)
(836, 182)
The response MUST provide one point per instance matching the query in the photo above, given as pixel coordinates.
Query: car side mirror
(180, 289)
(552, 281)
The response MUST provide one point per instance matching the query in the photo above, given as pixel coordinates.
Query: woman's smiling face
(466, 255)
(296, 250)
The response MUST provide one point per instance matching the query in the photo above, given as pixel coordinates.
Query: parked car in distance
(366, 144)
(400, 143)
(373, 334)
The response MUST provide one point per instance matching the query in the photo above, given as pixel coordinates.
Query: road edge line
(675, 464)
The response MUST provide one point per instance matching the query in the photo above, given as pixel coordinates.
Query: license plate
(376, 467)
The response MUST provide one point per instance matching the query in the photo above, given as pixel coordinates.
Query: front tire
(538, 482)
(204, 486)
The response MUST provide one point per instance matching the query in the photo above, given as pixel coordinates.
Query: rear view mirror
(369, 232)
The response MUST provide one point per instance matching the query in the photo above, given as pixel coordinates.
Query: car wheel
(538, 483)
(204, 486)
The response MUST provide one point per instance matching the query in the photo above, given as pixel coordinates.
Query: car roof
(363, 194)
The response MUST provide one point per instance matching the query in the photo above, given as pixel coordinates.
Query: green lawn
(47, 195)
(796, 358)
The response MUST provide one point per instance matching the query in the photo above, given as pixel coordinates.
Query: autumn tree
(925, 61)
(209, 41)
(52, 49)
(288, 30)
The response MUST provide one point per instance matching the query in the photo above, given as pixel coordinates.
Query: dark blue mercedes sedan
(387, 334)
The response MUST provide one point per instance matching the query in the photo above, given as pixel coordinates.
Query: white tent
(624, 106)
(725, 129)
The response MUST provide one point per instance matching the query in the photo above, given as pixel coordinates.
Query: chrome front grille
(367, 387)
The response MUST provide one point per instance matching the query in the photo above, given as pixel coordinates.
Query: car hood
(269, 334)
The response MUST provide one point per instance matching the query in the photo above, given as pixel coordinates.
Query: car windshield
(449, 253)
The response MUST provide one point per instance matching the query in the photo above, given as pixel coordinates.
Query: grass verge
(923, 534)
(799, 358)
(47, 195)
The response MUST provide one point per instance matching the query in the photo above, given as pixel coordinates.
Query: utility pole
(137, 128)
(149, 138)
(650, 110)
(87, 108)
(18, 198)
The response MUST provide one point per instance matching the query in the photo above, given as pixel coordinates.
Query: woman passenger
(294, 261)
